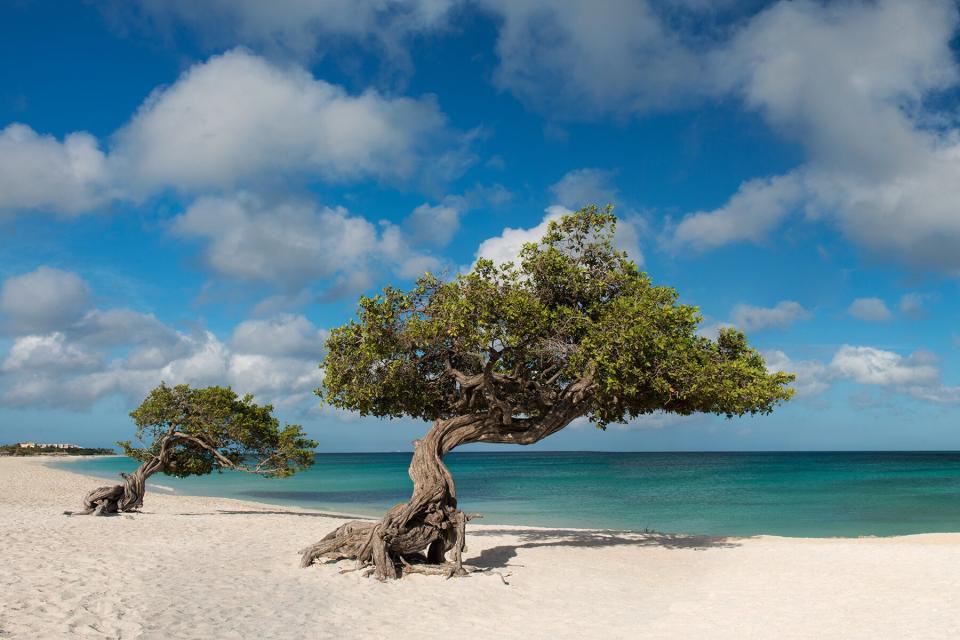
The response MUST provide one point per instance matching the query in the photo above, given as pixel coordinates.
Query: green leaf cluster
(512, 338)
(197, 431)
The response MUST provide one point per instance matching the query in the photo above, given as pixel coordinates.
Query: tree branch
(222, 459)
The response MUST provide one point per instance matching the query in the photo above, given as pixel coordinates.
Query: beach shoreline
(196, 567)
(152, 486)
(796, 495)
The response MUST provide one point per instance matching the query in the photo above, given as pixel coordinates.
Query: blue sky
(197, 192)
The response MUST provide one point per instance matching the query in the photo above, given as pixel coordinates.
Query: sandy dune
(214, 568)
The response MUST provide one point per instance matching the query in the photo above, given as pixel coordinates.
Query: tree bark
(430, 521)
(129, 495)
(121, 497)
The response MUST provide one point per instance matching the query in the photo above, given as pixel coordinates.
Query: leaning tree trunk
(121, 497)
(430, 522)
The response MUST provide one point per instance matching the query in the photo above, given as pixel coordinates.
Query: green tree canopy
(197, 431)
(513, 353)
(187, 432)
(515, 341)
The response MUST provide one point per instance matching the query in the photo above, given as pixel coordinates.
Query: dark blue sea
(791, 494)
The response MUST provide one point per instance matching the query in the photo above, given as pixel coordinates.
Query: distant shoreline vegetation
(19, 449)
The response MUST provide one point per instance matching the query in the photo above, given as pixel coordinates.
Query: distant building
(46, 445)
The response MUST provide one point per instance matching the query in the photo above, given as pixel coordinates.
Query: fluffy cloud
(937, 394)
(437, 224)
(289, 241)
(111, 327)
(848, 81)
(66, 354)
(287, 382)
(43, 299)
(585, 186)
(812, 376)
(41, 172)
(913, 305)
(572, 61)
(47, 353)
(836, 76)
(434, 224)
(867, 365)
(755, 210)
(917, 375)
(555, 57)
(749, 318)
(292, 243)
(506, 247)
(305, 28)
(237, 118)
(285, 335)
(870, 310)
(46, 371)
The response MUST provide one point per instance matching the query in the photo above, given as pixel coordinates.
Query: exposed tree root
(117, 498)
(393, 549)
(429, 530)
(418, 533)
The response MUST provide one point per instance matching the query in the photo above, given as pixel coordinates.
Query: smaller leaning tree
(512, 354)
(189, 432)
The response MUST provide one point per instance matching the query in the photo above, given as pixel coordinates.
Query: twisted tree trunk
(430, 522)
(121, 497)
(129, 495)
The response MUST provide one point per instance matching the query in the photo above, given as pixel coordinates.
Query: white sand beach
(191, 567)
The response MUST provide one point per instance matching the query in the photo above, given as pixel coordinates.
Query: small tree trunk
(121, 497)
(430, 521)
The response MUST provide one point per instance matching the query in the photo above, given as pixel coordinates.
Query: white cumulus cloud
(582, 187)
(234, 119)
(750, 215)
(869, 310)
(434, 224)
(47, 352)
(917, 375)
(51, 371)
(573, 61)
(293, 243)
(868, 365)
(41, 172)
(43, 299)
(749, 318)
(284, 335)
(812, 377)
(913, 305)
(848, 82)
(237, 117)
(304, 28)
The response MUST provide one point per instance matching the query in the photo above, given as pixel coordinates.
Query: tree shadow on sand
(500, 556)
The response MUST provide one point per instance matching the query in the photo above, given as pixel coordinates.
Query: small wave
(162, 487)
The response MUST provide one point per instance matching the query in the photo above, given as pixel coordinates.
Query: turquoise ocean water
(793, 494)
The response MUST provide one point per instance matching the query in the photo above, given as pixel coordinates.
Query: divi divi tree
(190, 432)
(513, 353)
